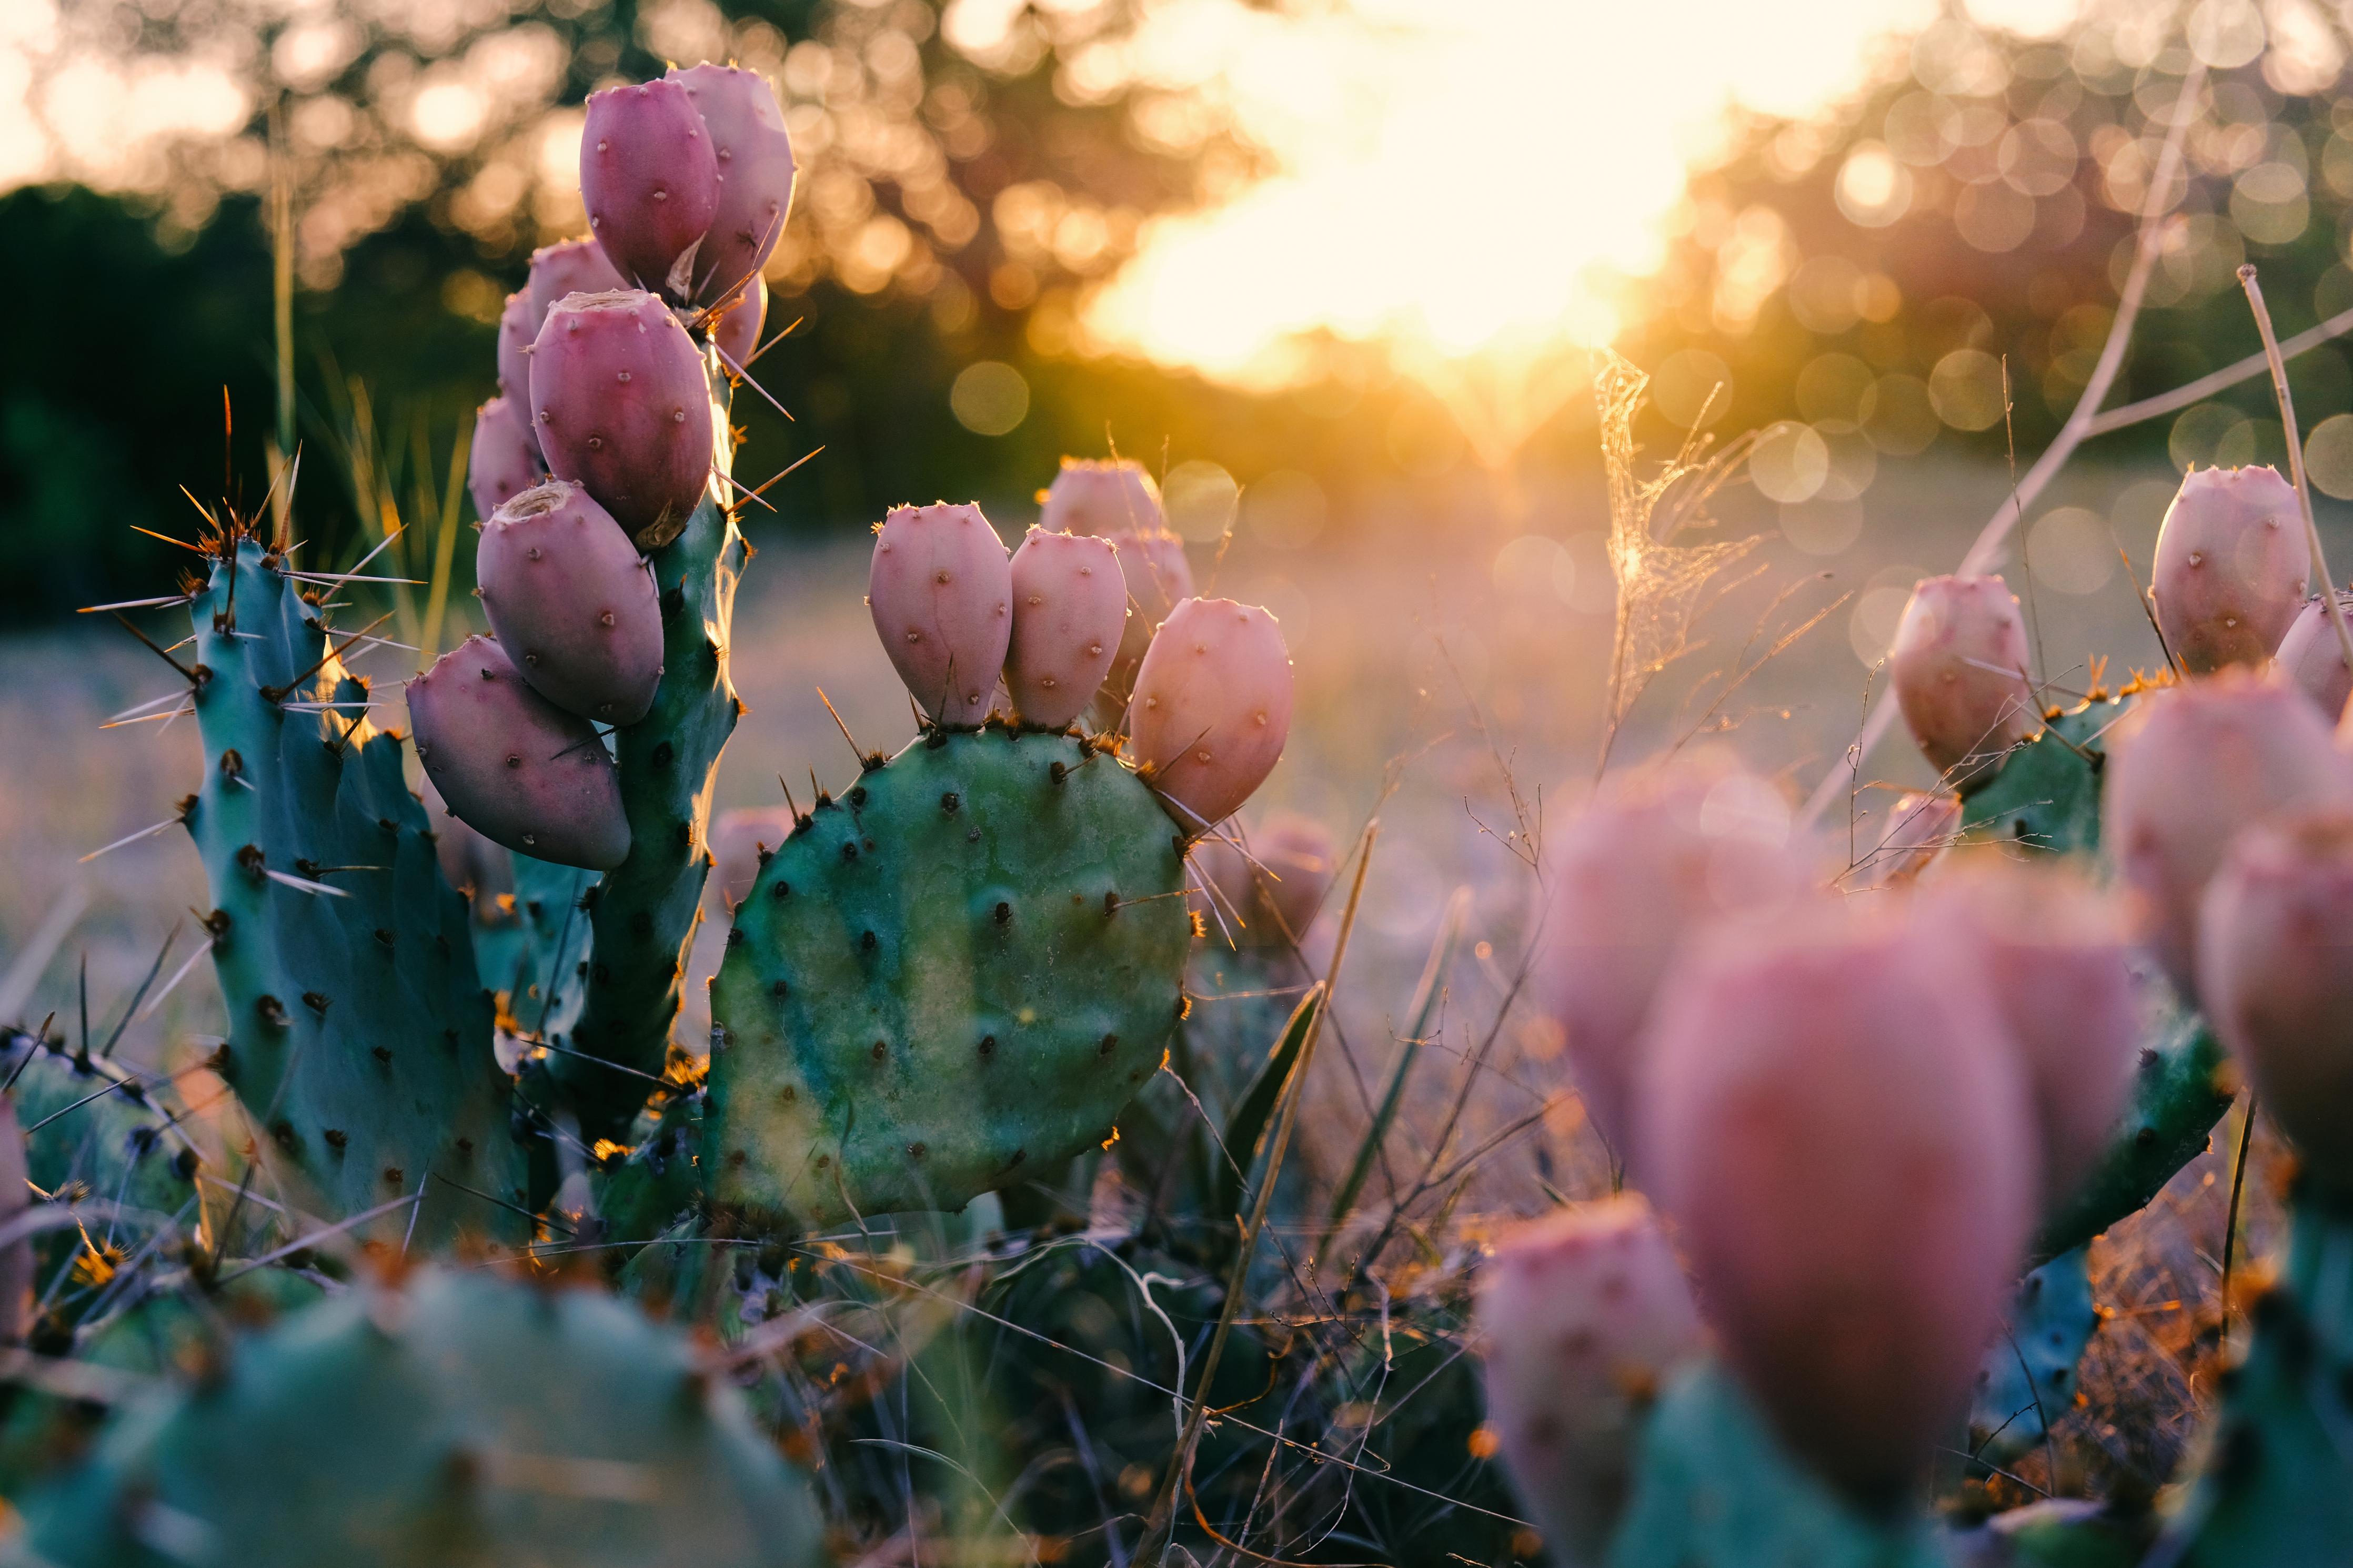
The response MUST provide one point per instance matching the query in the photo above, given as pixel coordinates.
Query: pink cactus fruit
(1104, 498)
(1070, 604)
(1265, 885)
(941, 590)
(741, 842)
(1627, 882)
(2232, 565)
(2189, 770)
(1118, 501)
(1211, 708)
(574, 267)
(1959, 666)
(755, 161)
(569, 596)
(1836, 1121)
(1918, 828)
(2275, 964)
(2057, 959)
(469, 862)
(1583, 1315)
(622, 406)
(650, 182)
(503, 460)
(515, 334)
(517, 768)
(2312, 660)
(736, 330)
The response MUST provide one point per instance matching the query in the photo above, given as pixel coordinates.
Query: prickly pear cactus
(359, 1033)
(643, 913)
(2027, 1379)
(964, 967)
(498, 1423)
(1713, 1488)
(2046, 794)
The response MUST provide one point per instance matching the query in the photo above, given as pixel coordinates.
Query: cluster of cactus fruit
(1859, 1117)
(1865, 1140)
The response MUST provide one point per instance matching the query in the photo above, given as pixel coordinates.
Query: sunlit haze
(1466, 176)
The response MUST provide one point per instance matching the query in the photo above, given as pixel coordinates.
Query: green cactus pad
(2180, 1090)
(481, 1422)
(1715, 1489)
(954, 975)
(359, 1031)
(97, 1129)
(2274, 1483)
(2028, 1377)
(2046, 794)
(645, 911)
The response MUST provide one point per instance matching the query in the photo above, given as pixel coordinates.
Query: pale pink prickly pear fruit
(515, 334)
(1211, 708)
(2276, 965)
(755, 161)
(573, 602)
(649, 180)
(517, 768)
(469, 862)
(574, 267)
(2312, 660)
(1837, 1122)
(1959, 666)
(1918, 828)
(2056, 955)
(1070, 604)
(2189, 769)
(1583, 1315)
(941, 590)
(1629, 881)
(2232, 565)
(1118, 501)
(504, 459)
(736, 330)
(1104, 498)
(741, 842)
(1272, 878)
(622, 406)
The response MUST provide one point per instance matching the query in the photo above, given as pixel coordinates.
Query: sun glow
(1469, 178)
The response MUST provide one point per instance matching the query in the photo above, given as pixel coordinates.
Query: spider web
(1662, 586)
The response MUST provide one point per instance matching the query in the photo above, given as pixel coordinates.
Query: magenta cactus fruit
(574, 267)
(503, 460)
(1070, 604)
(573, 602)
(1920, 827)
(1959, 666)
(1629, 881)
(2232, 565)
(518, 769)
(736, 330)
(1211, 708)
(2312, 660)
(755, 161)
(2274, 966)
(1836, 1121)
(622, 406)
(1107, 499)
(516, 331)
(1272, 878)
(2056, 956)
(741, 842)
(650, 182)
(1582, 1316)
(2192, 768)
(941, 590)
